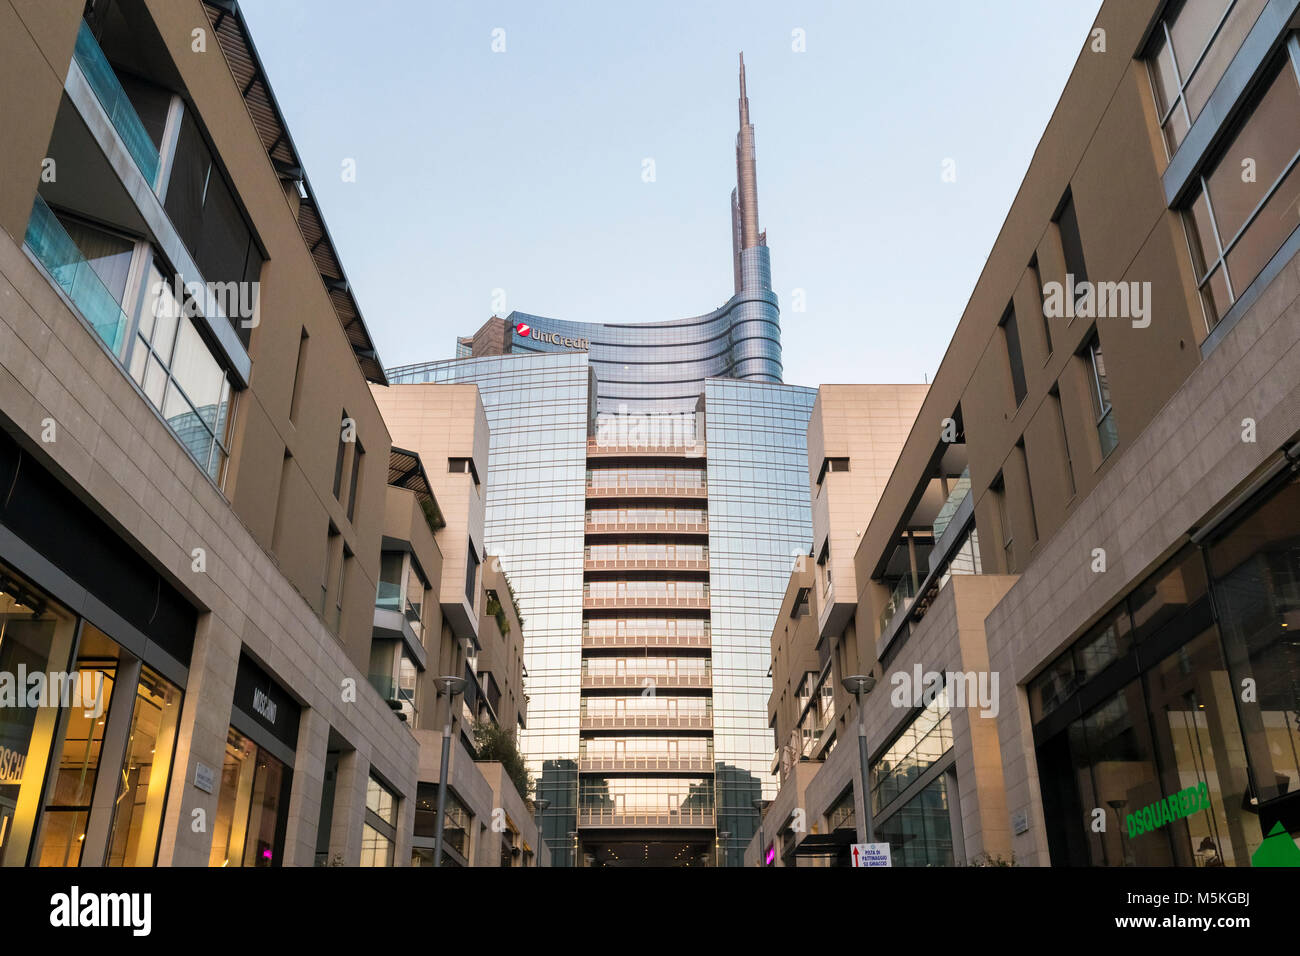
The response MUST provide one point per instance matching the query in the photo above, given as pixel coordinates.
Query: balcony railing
(664, 601)
(664, 680)
(646, 721)
(596, 448)
(52, 245)
(645, 564)
(900, 599)
(103, 80)
(627, 526)
(697, 763)
(644, 818)
(648, 491)
(646, 640)
(955, 497)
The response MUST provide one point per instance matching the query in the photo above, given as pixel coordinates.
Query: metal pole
(442, 785)
(866, 832)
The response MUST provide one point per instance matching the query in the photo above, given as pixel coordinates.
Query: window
(1190, 52)
(1029, 488)
(341, 454)
(204, 210)
(1011, 333)
(379, 831)
(832, 464)
(800, 607)
(1107, 433)
(1067, 227)
(142, 790)
(471, 572)
(1038, 291)
(824, 566)
(462, 466)
(1055, 399)
(999, 489)
(354, 484)
(296, 394)
(174, 367)
(327, 566)
(252, 806)
(345, 563)
(1244, 209)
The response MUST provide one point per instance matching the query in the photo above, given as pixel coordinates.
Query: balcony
(955, 497)
(597, 641)
(598, 449)
(645, 564)
(900, 600)
(621, 602)
(103, 81)
(695, 763)
(645, 818)
(660, 680)
(51, 244)
(649, 491)
(647, 721)
(630, 526)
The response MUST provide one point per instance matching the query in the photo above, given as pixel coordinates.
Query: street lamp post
(452, 687)
(860, 685)
(540, 806)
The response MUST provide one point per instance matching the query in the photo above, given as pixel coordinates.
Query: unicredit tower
(647, 494)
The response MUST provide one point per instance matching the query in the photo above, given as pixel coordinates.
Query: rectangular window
(1067, 227)
(1190, 51)
(999, 489)
(1107, 433)
(462, 466)
(174, 367)
(471, 572)
(252, 806)
(1055, 398)
(1011, 333)
(354, 483)
(1038, 292)
(327, 567)
(379, 831)
(299, 366)
(142, 793)
(345, 563)
(1237, 222)
(1029, 489)
(832, 464)
(340, 455)
(204, 210)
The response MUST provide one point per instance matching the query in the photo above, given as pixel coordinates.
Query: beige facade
(212, 484)
(1077, 485)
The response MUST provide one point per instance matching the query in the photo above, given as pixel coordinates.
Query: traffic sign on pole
(870, 854)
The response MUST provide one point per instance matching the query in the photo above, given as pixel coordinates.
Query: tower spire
(744, 199)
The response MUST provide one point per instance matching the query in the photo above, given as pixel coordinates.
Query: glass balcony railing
(899, 600)
(99, 74)
(955, 497)
(389, 596)
(52, 245)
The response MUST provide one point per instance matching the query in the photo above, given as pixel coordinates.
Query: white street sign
(871, 854)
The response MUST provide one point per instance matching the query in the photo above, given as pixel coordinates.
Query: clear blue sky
(522, 170)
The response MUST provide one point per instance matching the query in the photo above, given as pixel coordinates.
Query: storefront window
(142, 788)
(379, 831)
(921, 743)
(68, 804)
(920, 832)
(249, 828)
(1198, 737)
(1256, 570)
(36, 636)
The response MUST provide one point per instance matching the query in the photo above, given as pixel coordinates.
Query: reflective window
(1193, 46)
(142, 787)
(252, 806)
(1244, 209)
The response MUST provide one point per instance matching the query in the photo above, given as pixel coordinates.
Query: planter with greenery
(493, 742)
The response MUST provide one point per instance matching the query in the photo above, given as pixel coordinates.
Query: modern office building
(1092, 535)
(206, 525)
(647, 495)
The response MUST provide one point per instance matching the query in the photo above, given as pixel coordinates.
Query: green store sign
(1173, 807)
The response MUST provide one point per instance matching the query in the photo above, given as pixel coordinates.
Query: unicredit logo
(568, 342)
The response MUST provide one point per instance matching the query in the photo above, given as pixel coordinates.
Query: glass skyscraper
(647, 497)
